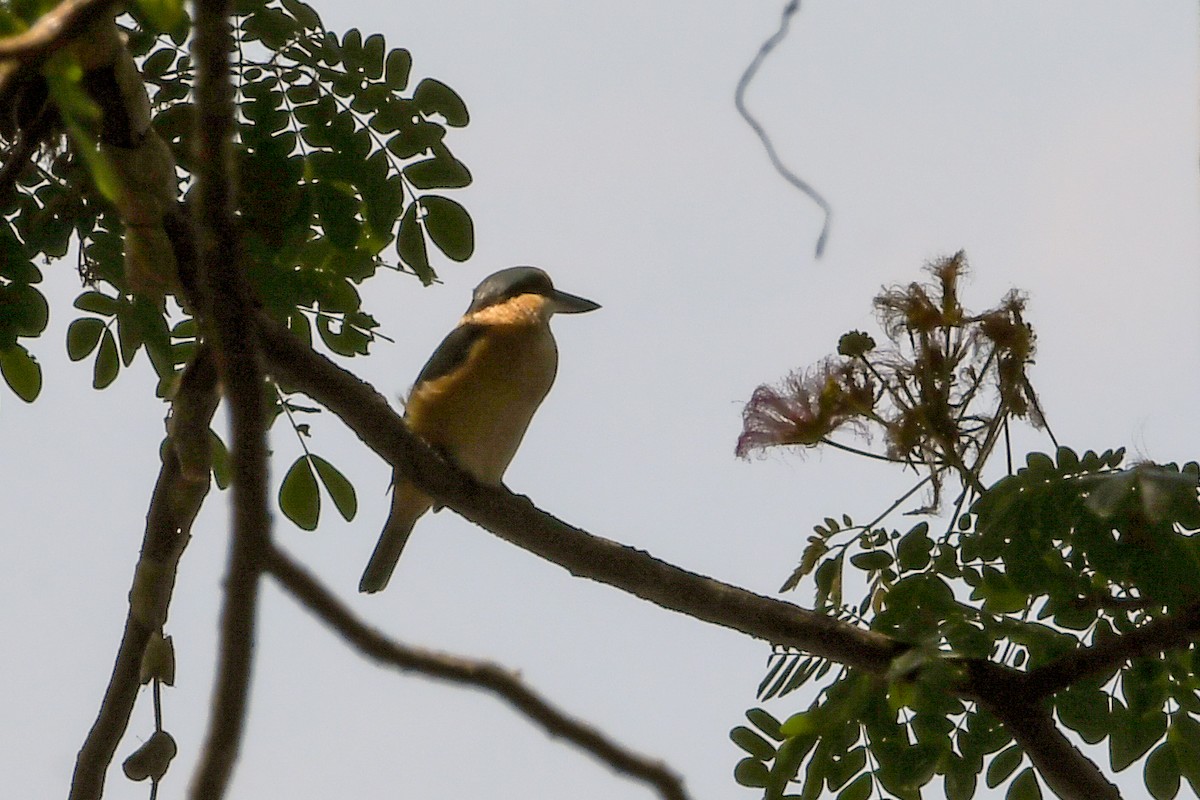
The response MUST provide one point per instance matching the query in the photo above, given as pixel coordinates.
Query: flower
(806, 407)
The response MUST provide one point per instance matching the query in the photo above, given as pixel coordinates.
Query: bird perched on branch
(475, 397)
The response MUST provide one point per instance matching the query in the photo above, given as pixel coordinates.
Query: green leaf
(414, 137)
(434, 97)
(21, 372)
(787, 764)
(336, 210)
(1068, 461)
(449, 226)
(1162, 772)
(97, 303)
(848, 765)
(443, 171)
(777, 676)
(397, 69)
(913, 549)
(352, 47)
(165, 15)
(23, 309)
(961, 782)
(871, 561)
(1132, 735)
(1039, 464)
(339, 488)
(860, 789)
(272, 26)
(299, 499)
(158, 62)
(348, 341)
(298, 324)
(83, 335)
(800, 724)
(108, 362)
(410, 245)
(751, 772)
(752, 743)
(303, 13)
(15, 267)
(1024, 787)
(221, 467)
(765, 722)
(373, 50)
(129, 338)
(829, 581)
(1003, 765)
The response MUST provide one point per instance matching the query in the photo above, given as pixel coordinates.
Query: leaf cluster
(1070, 551)
(343, 167)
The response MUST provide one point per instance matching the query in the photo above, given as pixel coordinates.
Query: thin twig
(856, 451)
(226, 320)
(739, 100)
(485, 675)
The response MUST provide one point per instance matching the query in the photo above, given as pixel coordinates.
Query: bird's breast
(480, 412)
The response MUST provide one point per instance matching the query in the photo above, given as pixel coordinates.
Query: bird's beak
(564, 303)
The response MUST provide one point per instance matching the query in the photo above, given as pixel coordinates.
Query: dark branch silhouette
(226, 321)
(739, 100)
(481, 674)
(515, 519)
(1068, 772)
(1162, 634)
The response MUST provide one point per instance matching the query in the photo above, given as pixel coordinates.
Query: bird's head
(508, 284)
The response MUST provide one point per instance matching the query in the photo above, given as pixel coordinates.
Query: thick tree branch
(1068, 772)
(517, 520)
(481, 674)
(1002, 691)
(226, 321)
(173, 507)
(1164, 633)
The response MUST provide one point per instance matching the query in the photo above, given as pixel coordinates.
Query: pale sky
(1055, 142)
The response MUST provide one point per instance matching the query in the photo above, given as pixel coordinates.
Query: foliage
(340, 157)
(1068, 551)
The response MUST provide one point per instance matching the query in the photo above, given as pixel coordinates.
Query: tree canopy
(234, 178)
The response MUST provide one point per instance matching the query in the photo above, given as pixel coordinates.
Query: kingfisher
(474, 398)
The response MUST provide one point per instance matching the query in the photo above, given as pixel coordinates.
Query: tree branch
(226, 320)
(173, 508)
(1164, 633)
(481, 674)
(1068, 772)
(515, 519)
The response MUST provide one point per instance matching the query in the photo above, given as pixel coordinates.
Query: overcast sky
(1055, 142)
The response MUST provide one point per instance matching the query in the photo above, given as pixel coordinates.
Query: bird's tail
(408, 504)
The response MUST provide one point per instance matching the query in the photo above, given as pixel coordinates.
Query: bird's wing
(451, 353)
